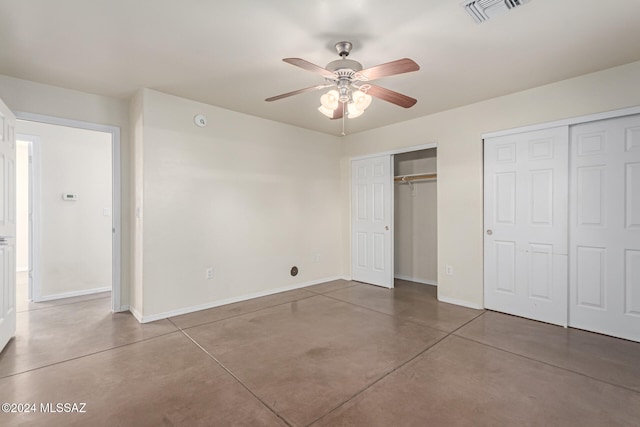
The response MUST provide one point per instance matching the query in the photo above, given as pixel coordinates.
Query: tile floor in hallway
(336, 354)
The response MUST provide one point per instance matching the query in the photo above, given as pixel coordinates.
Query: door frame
(34, 226)
(390, 153)
(612, 114)
(116, 217)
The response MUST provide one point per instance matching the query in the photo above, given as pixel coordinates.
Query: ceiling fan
(349, 82)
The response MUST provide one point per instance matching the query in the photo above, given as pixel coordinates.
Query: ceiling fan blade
(390, 96)
(296, 92)
(306, 65)
(392, 68)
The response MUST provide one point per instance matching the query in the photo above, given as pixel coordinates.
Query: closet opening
(415, 217)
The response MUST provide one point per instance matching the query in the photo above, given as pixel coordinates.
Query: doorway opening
(68, 222)
(415, 217)
(373, 223)
(23, 223)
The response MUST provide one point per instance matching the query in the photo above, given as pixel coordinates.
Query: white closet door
(371, 221)
(525, 214)
(605, 227)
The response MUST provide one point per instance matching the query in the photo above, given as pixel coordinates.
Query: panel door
(371, 221)
(525, 216)
(7, 225)
(605, 227)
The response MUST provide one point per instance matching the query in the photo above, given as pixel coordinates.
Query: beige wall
(243, 176)
(458, 135)
(415, 220)
(246, 196)
(75, 240)
(26, 96)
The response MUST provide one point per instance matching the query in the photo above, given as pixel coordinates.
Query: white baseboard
(460, 302)
(152, 318)
(136, 314)
(73, 294)
(413, 279)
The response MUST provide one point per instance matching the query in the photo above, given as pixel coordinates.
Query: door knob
(489, 232)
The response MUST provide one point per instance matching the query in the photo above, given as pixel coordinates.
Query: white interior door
(525, 214)
(605, 227)
(371, 221)
(7, 225)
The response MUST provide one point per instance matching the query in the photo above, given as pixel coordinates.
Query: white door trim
(397, 151)
(34, 212)
(566, 122)
(116, 295)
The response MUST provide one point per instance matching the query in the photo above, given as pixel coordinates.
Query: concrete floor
(335, 354)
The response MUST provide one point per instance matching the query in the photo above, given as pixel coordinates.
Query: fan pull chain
(343, 134)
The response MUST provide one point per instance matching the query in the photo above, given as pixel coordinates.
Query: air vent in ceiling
(483, 10)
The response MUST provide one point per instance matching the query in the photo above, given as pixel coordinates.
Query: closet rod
(407, 178)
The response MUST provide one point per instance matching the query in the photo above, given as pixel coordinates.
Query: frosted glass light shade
(353, 111)
(360, 103)
(326, 111)
(361, 100)
(330, 100)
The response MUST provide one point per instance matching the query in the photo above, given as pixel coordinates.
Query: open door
(371, 220)
(7, 225)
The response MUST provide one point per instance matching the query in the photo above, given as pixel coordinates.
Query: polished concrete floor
(336, 354)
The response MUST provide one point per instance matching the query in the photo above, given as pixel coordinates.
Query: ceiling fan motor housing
(345, 71)
(344, 64)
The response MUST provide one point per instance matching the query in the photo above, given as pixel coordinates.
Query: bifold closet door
(525, 214)
(605, 227)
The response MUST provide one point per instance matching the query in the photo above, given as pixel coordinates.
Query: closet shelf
(417, 177)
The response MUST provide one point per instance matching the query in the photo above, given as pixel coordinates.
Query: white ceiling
(228, 53)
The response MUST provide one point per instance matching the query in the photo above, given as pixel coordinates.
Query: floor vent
(483, 10)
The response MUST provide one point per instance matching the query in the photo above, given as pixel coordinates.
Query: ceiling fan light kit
(356, 101)
(350, 94)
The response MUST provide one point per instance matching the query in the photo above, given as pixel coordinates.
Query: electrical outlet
(315, 258)
(209, 273)
(449, 270)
